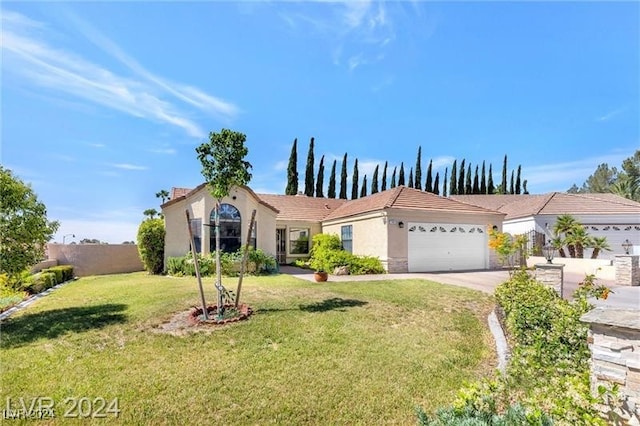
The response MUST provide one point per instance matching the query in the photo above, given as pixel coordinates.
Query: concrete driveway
(622, 297)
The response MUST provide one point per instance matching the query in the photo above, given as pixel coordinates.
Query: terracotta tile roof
(178, 192)
(301, 207)
(517, 206)
(404, 198)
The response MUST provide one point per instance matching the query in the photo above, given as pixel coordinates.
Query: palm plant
(565, 225)
(578, 238)
(558, 243)
(598, 244)
(627, 187)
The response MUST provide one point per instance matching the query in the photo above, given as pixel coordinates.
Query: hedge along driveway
(365, 352)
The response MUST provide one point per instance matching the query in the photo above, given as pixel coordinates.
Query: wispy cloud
(167, 151)
(127, 166)
(142, 94)
(96, 145)
(611, 114)
(280, 165)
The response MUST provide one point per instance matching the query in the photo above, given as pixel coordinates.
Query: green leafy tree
(490, 188)
(163, 194)
(436, 185)
(467, 182)
(393, 178)
(410, 183)
(627, 187)
(151, 245)
(343, 178)
(401, 180)
(363, 189)
(503, 185)
(453, 185)
(483, 181)
(309, 185)
(24, 227)
(374, 181)
(223, 167)
(384, 177)
(354, 181)
(320, 179)
(428, 185)
(476, 184)
(461, 179)
(599, 244)
(331, 190)
(292, 170)
(417, 181)
(518, 183)
(150, 213)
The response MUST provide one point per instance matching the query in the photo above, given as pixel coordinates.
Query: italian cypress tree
(444, 183)
(309, 186)
(320, 179)
(363, 189)
(483, 181)
(453, 185)
(524, 187)
(417, 181)
(504, 175)
(331, 191)
(343, 178)
(512, 188)
(490, 188)
(384, 177)
(476, 184)
(461, 179)
(428, 185)
(518, 190)
(374, 181)
(393, 178)
(436, 185)
(292, 170)
(467, 182)
(401, 175)
(354, 181)
(410, 183)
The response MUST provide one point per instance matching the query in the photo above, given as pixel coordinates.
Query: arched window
(230, 229)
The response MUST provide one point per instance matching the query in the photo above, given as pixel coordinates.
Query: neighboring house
(407, 229)
(603, 215)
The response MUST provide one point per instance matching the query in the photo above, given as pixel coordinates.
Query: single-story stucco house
(602, 215)
(407, 229)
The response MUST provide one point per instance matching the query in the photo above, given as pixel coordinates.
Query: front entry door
(281, 246)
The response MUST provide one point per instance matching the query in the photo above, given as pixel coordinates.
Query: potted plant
(320, 275)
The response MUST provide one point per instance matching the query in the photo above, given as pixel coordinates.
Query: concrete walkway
(622, 297)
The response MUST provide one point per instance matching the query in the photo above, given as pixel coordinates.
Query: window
(346, 235)
(299, 240)
(196, 230)
(254, 241)
(230, 229)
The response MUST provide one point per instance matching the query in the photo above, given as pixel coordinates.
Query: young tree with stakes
(223, 167)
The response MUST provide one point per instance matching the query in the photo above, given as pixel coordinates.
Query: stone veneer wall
(551, 275)
(97, 259)
(614, 341)
(396, 265)
(627, 269)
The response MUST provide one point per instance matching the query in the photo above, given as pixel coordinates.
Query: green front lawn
(335, 353)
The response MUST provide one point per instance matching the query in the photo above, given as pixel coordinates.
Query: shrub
(66, 270)
(327, 254)
(57, 272)
(229, 262)
(151, 245)
(39, 282)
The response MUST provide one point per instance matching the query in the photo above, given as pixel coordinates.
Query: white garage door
(446, 247)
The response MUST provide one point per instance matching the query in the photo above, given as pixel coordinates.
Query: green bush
(229, 262)
(549, 365)
(66, 270)
(37, 283)
(57, 272)
(327, 254)
(151, 245)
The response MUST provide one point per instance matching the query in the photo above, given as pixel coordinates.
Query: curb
(502, 348)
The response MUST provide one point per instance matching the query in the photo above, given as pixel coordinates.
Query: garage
(446, 247)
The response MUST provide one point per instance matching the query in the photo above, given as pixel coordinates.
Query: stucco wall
(369, 233)
(97, 259)
(314, 228)
(200, 205)
(601, 268)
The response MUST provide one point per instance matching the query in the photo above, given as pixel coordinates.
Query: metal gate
(281, 246)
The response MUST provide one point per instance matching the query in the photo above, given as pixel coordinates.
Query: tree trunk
(596, 252)
(572, 250)
(561, 252)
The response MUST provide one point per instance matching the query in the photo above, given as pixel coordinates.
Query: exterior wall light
(627, 246)
(548, 250)
(400, 224)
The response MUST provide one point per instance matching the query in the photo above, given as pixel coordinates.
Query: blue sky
(103, 103)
